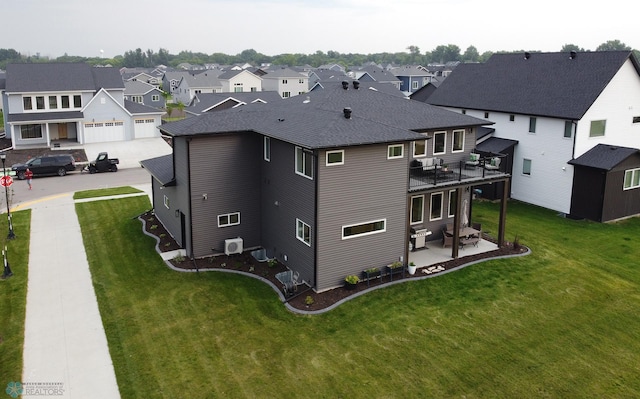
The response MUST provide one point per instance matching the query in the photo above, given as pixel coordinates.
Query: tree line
(413, 56)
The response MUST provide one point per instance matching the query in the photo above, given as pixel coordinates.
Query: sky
(107, 28)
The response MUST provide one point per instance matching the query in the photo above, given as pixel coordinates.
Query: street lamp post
(11, 235)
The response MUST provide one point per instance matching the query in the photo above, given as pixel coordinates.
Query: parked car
(46, 165)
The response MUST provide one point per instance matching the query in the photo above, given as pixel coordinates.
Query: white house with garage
(49, 103)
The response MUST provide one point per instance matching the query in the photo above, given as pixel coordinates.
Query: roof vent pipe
(527, 55)
(347, 112)
(572, 54)
(345, 84)
(356, 84)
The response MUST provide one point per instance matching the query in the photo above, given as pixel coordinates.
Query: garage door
(103, 131)
(145, 128)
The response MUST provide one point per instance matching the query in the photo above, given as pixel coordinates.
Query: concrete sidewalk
(65, 344)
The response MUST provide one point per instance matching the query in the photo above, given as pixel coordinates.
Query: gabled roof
(56, 77)
(138, 87)
(318, 120)
(207, 101)
(410, 70)
(230, 74)
(555, 85)
(208, 79)
(604, 156)
(283, 73)
(496, 145)
(141, 109)
(161, 168)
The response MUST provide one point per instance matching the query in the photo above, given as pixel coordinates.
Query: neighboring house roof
(283, 73)
(53, 77)
(410, 70)
(329, 75)
(232, 73)
(318, 120)
(136, 108)
(161, 168)
(604, 156)
(138, 87)
(387, 88)
(555, 85)
(208, 101)
(376, 73)
(207, 79)
(44, 116)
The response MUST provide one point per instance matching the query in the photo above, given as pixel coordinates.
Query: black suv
(46, 165)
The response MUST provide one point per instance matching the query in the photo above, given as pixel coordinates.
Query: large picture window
(435, 212)
(417, 209)
(303, 232)
(363, 229)
(30, 131)
(304, 163)
(631, 179)
(229, 219)
(439, 142)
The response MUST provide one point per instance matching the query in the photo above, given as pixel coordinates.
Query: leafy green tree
(471, 55)
(613, 45)
(447, 53)
(571, 47)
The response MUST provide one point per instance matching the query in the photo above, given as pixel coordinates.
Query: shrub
(352, 279)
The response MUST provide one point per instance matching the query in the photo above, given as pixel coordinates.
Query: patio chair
(474, 160)
(447, 240)
(493, 164)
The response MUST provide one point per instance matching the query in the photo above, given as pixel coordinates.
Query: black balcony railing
(421, 176)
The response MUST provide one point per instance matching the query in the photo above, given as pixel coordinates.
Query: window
(532, 124)
(303, 232)
(335, 157)
(526, 167)
(229, 219)
(464, 112)
(26, 103)
(301, 81)
(512, 118)
(636, 119)
(284, 81)
(77, 101)
(452, 203)
(267, 149)
(631, 179)
(419, 148)
(53, 102)
(39, 102)
(238, 89)
(417, 209)
(395, 151)
(364, 229)
(65, 101)
(414, 84)
(458, 141)
(486, 115)
(597, 128)
(435, 212)
(304, 163)
(439, 139)
(155, 97)
(166, 202)
(568, 129)
(286, 94)
(30, 131)
(136, 99)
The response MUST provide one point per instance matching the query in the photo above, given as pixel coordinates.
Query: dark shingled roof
(72, 76)
(137, 108)
(161, 168)
(317, 120)
(544, 84)
(44, 116)
(208, 100)
(496, 145)
(604, 156)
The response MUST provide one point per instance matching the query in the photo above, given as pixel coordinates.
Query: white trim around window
(166, 202)
(334, 158)
(229, 219)
(304, 163)
(395, 151)
(457, 144)
(364, 229)
(267, 149)
(631, 179)
(452, 203)
(439, 145)
(435, 213)
(417, 209)
(303, 232)
(419, 148)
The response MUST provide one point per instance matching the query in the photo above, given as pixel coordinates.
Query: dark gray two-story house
(329, 183)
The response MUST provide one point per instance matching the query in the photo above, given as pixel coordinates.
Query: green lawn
(562, 322)
(105, 192)
(13, 296)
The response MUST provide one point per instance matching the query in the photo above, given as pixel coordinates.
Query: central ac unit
(233, 246)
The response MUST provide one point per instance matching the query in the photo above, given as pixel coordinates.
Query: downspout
(315, 216)
(575, 134)
(188, 142)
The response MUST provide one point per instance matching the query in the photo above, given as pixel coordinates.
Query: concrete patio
(434, 254)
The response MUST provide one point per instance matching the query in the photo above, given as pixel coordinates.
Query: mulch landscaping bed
(246, 263)
(22, 156)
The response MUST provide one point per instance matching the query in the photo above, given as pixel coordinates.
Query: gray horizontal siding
(226, 170)
(367, 187)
